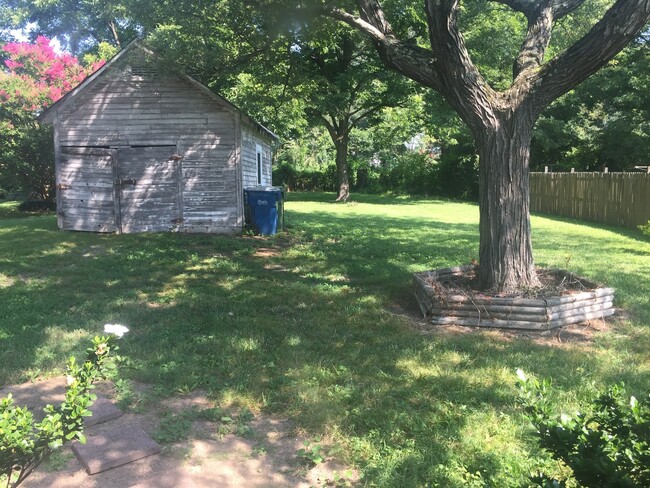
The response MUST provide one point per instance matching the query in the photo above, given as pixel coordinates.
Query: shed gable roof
(50, 114)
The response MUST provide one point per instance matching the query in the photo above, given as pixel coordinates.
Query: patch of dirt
(267, 252)
(553, 282)
(263, 452)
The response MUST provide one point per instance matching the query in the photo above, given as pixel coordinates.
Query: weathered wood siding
(149, 189)
(250, 142)
(85, 193)
(132, 108)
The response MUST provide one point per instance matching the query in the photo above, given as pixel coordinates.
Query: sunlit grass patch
(311, 328)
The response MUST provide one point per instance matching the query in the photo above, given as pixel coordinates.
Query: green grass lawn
(312, 331)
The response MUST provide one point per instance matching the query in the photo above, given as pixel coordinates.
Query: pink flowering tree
(33, 77)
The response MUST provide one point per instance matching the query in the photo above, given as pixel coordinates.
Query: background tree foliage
(78, 24)
(261, 58)
(346, 87)
(33, 77)
(603, 123)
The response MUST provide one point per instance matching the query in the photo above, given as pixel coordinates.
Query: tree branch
(404, 57)
(540, 26)
(330, 125)
(116, 37)
(530, 7)
(606, 39)
(526, 7)
(462, 85)
(565, 7)
(375, 33)
(366, 114)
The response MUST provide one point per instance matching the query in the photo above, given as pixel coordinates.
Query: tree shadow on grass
(304, 333)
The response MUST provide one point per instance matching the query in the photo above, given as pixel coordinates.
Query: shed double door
(148, 189)
(131, 189)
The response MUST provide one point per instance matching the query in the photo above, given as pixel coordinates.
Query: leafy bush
(284, 174)
(25, 444)
(607, 446)
(645, 229)
(411, 173)
(37, 206)
(454, 175)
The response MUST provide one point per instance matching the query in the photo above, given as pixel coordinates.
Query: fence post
(573, 170)
(546, 169)
(606, 170)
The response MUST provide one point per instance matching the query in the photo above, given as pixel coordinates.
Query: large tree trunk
(505, 251)
(502, 122)
(342, 173)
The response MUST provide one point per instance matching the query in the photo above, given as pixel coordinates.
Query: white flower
(521, 375)
(117, 329)
(69, 380)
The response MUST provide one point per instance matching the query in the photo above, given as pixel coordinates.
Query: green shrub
(25, 444)
(37, 206)
(409, 173)
(609, 445)
(284, 174)
(645, 229)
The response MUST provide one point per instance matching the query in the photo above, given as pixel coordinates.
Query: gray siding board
(250, 141)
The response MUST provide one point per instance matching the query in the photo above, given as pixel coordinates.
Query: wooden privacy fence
(621, 199)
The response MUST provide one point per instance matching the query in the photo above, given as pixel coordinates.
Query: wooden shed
(141, 149)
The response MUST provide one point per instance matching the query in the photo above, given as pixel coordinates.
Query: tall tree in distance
(272, 65)
(347, 86)
(501, 121)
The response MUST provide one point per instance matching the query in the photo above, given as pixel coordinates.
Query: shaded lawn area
(305, 325)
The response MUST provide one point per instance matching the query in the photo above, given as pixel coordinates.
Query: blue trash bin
(265, 204)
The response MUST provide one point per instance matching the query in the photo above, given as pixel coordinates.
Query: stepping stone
(103, 410)
(36, 395)
(114, 448)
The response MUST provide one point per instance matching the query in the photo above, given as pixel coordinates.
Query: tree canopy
(33, 77)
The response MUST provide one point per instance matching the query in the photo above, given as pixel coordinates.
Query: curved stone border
(481, 310)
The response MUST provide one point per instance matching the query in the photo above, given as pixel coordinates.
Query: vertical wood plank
(240, 171)
(57, 174)
(116, 193)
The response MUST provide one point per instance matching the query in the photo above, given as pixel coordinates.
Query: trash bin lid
(268, 194)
